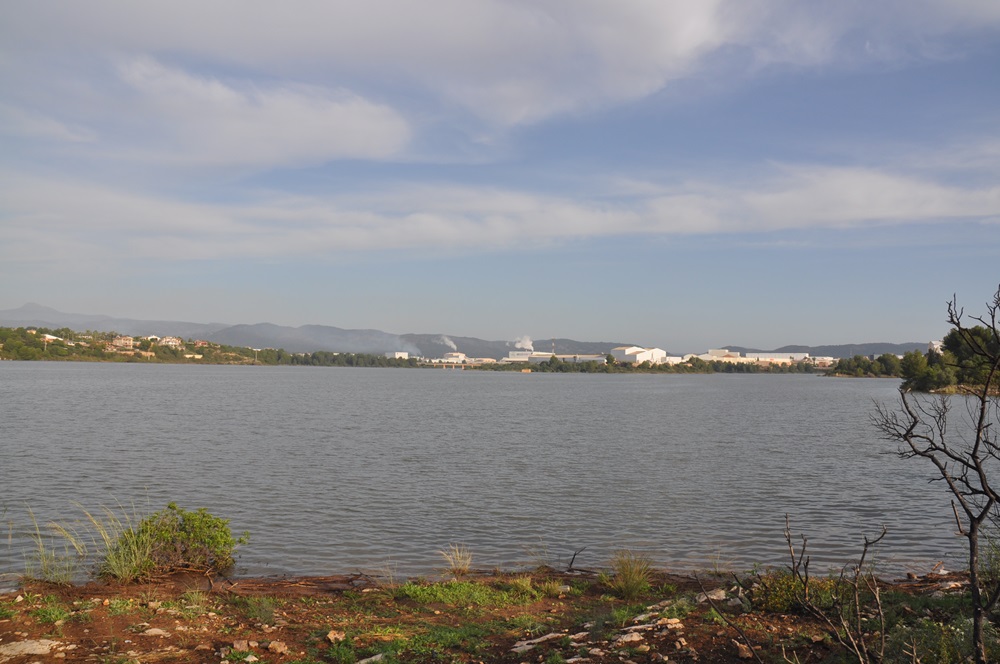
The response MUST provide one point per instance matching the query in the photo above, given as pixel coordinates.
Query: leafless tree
(966, 453)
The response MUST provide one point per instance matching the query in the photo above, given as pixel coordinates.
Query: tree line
(956, 363)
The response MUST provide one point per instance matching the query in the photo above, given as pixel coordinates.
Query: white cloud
(81, 222)
(506, 61)
(206, 120)
(18, 122)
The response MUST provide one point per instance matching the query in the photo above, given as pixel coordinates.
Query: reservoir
(338, 470)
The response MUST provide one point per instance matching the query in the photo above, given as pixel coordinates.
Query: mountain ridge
(312, 338)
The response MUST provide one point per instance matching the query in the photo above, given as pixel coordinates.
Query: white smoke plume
(524, 343)
(447, 342)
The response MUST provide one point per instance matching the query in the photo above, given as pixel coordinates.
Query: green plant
(458, 558)
(630, 574)
(941, 642)
(621, 615)
(45, 563)
(184, 539)
(5, 611)
(257, 609)
(118, 606)
(457, 593)
(50, 612)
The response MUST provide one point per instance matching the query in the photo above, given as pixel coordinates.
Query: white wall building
(637, 355)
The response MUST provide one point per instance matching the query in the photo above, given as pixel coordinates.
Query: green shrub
(170, 540)
(783, 592)
(944, 643)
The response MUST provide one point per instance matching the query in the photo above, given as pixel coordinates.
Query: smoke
(447, 342)
(524, 343)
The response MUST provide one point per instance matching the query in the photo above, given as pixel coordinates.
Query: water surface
(337, 469)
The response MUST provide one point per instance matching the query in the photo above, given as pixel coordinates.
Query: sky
(680, 174)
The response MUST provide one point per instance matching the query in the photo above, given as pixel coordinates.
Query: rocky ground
(545, 616)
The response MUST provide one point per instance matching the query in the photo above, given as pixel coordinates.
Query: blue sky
(678, 174)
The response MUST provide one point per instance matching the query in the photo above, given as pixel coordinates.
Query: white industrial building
(637, 355)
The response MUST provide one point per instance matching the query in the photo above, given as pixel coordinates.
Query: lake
(335, 470)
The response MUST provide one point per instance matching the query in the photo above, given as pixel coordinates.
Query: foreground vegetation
(541, 615)
(157, 596)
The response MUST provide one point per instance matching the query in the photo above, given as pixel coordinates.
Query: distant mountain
(310, 338)
(304, 339)
(841, 350)
(36, 315)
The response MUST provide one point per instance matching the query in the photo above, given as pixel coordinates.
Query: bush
(782, 592)
(170, 540)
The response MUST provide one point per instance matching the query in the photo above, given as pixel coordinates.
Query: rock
(154, 605)
(540, 639)
(596, 652)
(371, 660)
(333, 636)
(277, 647)
(155, 631)
(716, 595)
(241, 645)
(251, 658)
(40, 647)
(202, 646)
(631, 637)
(743, 652)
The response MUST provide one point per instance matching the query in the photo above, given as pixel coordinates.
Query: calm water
(337, 470)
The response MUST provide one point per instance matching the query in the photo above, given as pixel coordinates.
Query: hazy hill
(36, 315)
(842, 350)
(310, 338)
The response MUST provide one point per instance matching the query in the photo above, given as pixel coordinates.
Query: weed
(678, 609)
(550, 588)
(51, 612)
(630, 574)
(782, 592)
(527, 624)
(621, 615)
(457, 593)
(45, 564)
(118, 606)
(256, 609)
(458, 558)
(945, 643)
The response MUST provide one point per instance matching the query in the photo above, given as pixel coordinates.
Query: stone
(743, 652)
(277, 647)
(716, 595)
(625, 639)
(155, 631)
(40, 647)
(333, 636)
(371, 660)
(241, 645)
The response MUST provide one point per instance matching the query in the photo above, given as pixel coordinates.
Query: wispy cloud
(98, 223)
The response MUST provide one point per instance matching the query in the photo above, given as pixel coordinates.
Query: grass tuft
(458, 558)
(630, 574)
